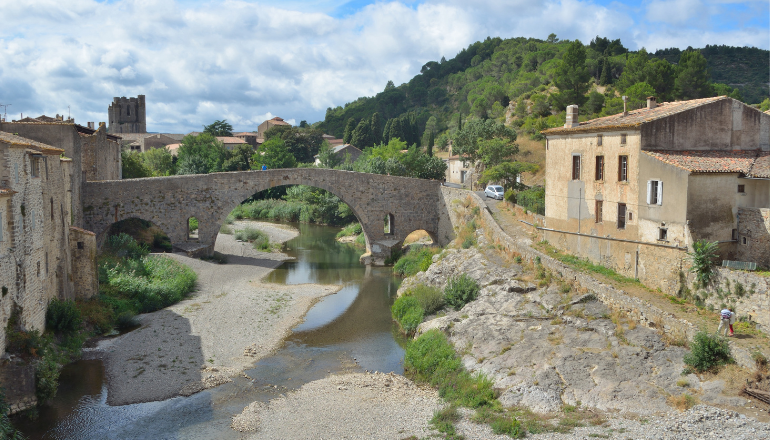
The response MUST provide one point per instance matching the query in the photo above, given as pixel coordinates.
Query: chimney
(91, 125)
(572, 117)
(102, 126)
(625, 105)
(651, 102)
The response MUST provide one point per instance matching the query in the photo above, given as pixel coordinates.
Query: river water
(349, 331)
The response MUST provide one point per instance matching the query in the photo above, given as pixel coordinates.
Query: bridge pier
(379, 252)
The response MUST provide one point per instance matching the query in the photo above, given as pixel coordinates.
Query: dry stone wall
(169, 202)
(83, 251)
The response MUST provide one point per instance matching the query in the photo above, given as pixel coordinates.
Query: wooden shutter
(649, 192)
(660, 192)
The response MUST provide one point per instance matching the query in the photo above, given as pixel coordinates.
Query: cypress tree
(386, 132)
(349, 127)
(376, 129)
(605, 79)
(431, 141)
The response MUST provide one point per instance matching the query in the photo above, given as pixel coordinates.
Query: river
(348, 331)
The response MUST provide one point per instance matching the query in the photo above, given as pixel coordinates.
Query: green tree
(274, 155)
(219, 128)
(159, 161)
(206, 147)
(303, 124)
(703, 258)
(327, 158)
(637, 95)
(692, 76)
(349, 127)
(495, 151)
(606, 76)
(507, 173)
(725, 90)
(431, 141)
(595, 102)
(660, 75)
(239, 158)
(571, 76)
(466, 141)
(362, 135)
(192, 165)
(133, 166)
(634, 72)
(376, 129)
(552, 39)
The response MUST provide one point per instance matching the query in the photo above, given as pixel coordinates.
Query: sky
(198, 61)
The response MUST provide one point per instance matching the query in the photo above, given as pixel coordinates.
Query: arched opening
(389, 228)
(192, 228)
(420, 237)
(143, 231)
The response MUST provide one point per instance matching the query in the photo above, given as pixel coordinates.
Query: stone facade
(34, 255)
(127, 115)
(633, 192)
(83, 250)
(100, 155)
(754, 235)
(169, 202)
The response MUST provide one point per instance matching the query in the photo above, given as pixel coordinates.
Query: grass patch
(406, 310)
(429, 298)
(683, 402)
(444, 421)
(351, 229)
(584, 264)
(461, 290)
(417, 259)
(257, 238)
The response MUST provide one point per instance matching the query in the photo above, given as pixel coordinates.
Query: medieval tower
(127, 115)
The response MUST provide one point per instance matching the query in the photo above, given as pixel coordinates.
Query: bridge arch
(169, 202)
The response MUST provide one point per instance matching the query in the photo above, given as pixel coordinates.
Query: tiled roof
(635, 118)
(18, 140)
(229, 140)
(82, 231)
(245, 133)
(751, 163)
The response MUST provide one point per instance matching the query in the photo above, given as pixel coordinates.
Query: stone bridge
(406, 204)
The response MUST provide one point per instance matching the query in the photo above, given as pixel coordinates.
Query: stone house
(35, 231)
(248, 137)
(231, 142)
(267, 125)
(342, 151)
(633, 191)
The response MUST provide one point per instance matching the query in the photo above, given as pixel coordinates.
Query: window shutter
(649, 192)
(660, 192)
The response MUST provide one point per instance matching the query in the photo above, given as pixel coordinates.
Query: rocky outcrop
(547, 346)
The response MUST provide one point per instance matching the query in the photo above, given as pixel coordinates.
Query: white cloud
(245, 61)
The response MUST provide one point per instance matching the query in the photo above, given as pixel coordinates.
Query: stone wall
(101, 156)
(754, 230)
(169, 202)
(754, 300)
(83, 254)
(17, 378)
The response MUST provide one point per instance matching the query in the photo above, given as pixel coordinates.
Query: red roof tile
(751, 163)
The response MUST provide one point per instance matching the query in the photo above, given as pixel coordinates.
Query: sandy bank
(231, 321)
(348, 406)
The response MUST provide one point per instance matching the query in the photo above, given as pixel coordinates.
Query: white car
(494, 191)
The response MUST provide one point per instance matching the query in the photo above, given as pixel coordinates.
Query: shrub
(431, 357)
(62, 316)
(160, 241)
(126, 320)
(508, 426)
(407, 312)
(124, 246)
(460, 291)
(703, 257)
(707, 352)
(351, 229)
(510, 196)
(417, 259)
(225, 229)
(429, 298)
(192, 224)
(7, 431)
(46, 378)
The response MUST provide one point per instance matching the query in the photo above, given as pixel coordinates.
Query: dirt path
(231, 321)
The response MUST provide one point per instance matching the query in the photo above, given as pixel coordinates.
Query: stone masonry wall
(753, 303)
(83, 253)
(169, 202)
(100, 156)
(754, 227)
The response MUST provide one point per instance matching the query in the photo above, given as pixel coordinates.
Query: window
(598, 140)
(743, 240)
(34, 164)
(662, 234)
(389, 225)
(599, 168)
(623, 169)
(599, 211)
(741, 189)
(463, 176)
(630, 215)
(654, 192)
(576, 167)
(621, 216)
(623, 139)
(734, 235)
(81, 245)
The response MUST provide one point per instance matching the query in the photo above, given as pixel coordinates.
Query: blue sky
(201, 60)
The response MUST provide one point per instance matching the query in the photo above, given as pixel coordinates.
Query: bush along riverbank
(301, 203)
(130, 282)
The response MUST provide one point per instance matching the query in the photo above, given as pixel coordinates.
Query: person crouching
(726, 316)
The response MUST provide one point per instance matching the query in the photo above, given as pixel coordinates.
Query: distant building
(270, 123)
(333, 142)
(635, 190)
(248, 137)
(459, 170)
(127, 115)
(150, 141)
(342, 151)
(230, 142)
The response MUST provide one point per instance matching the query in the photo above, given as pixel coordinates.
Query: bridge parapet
(168, 202)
